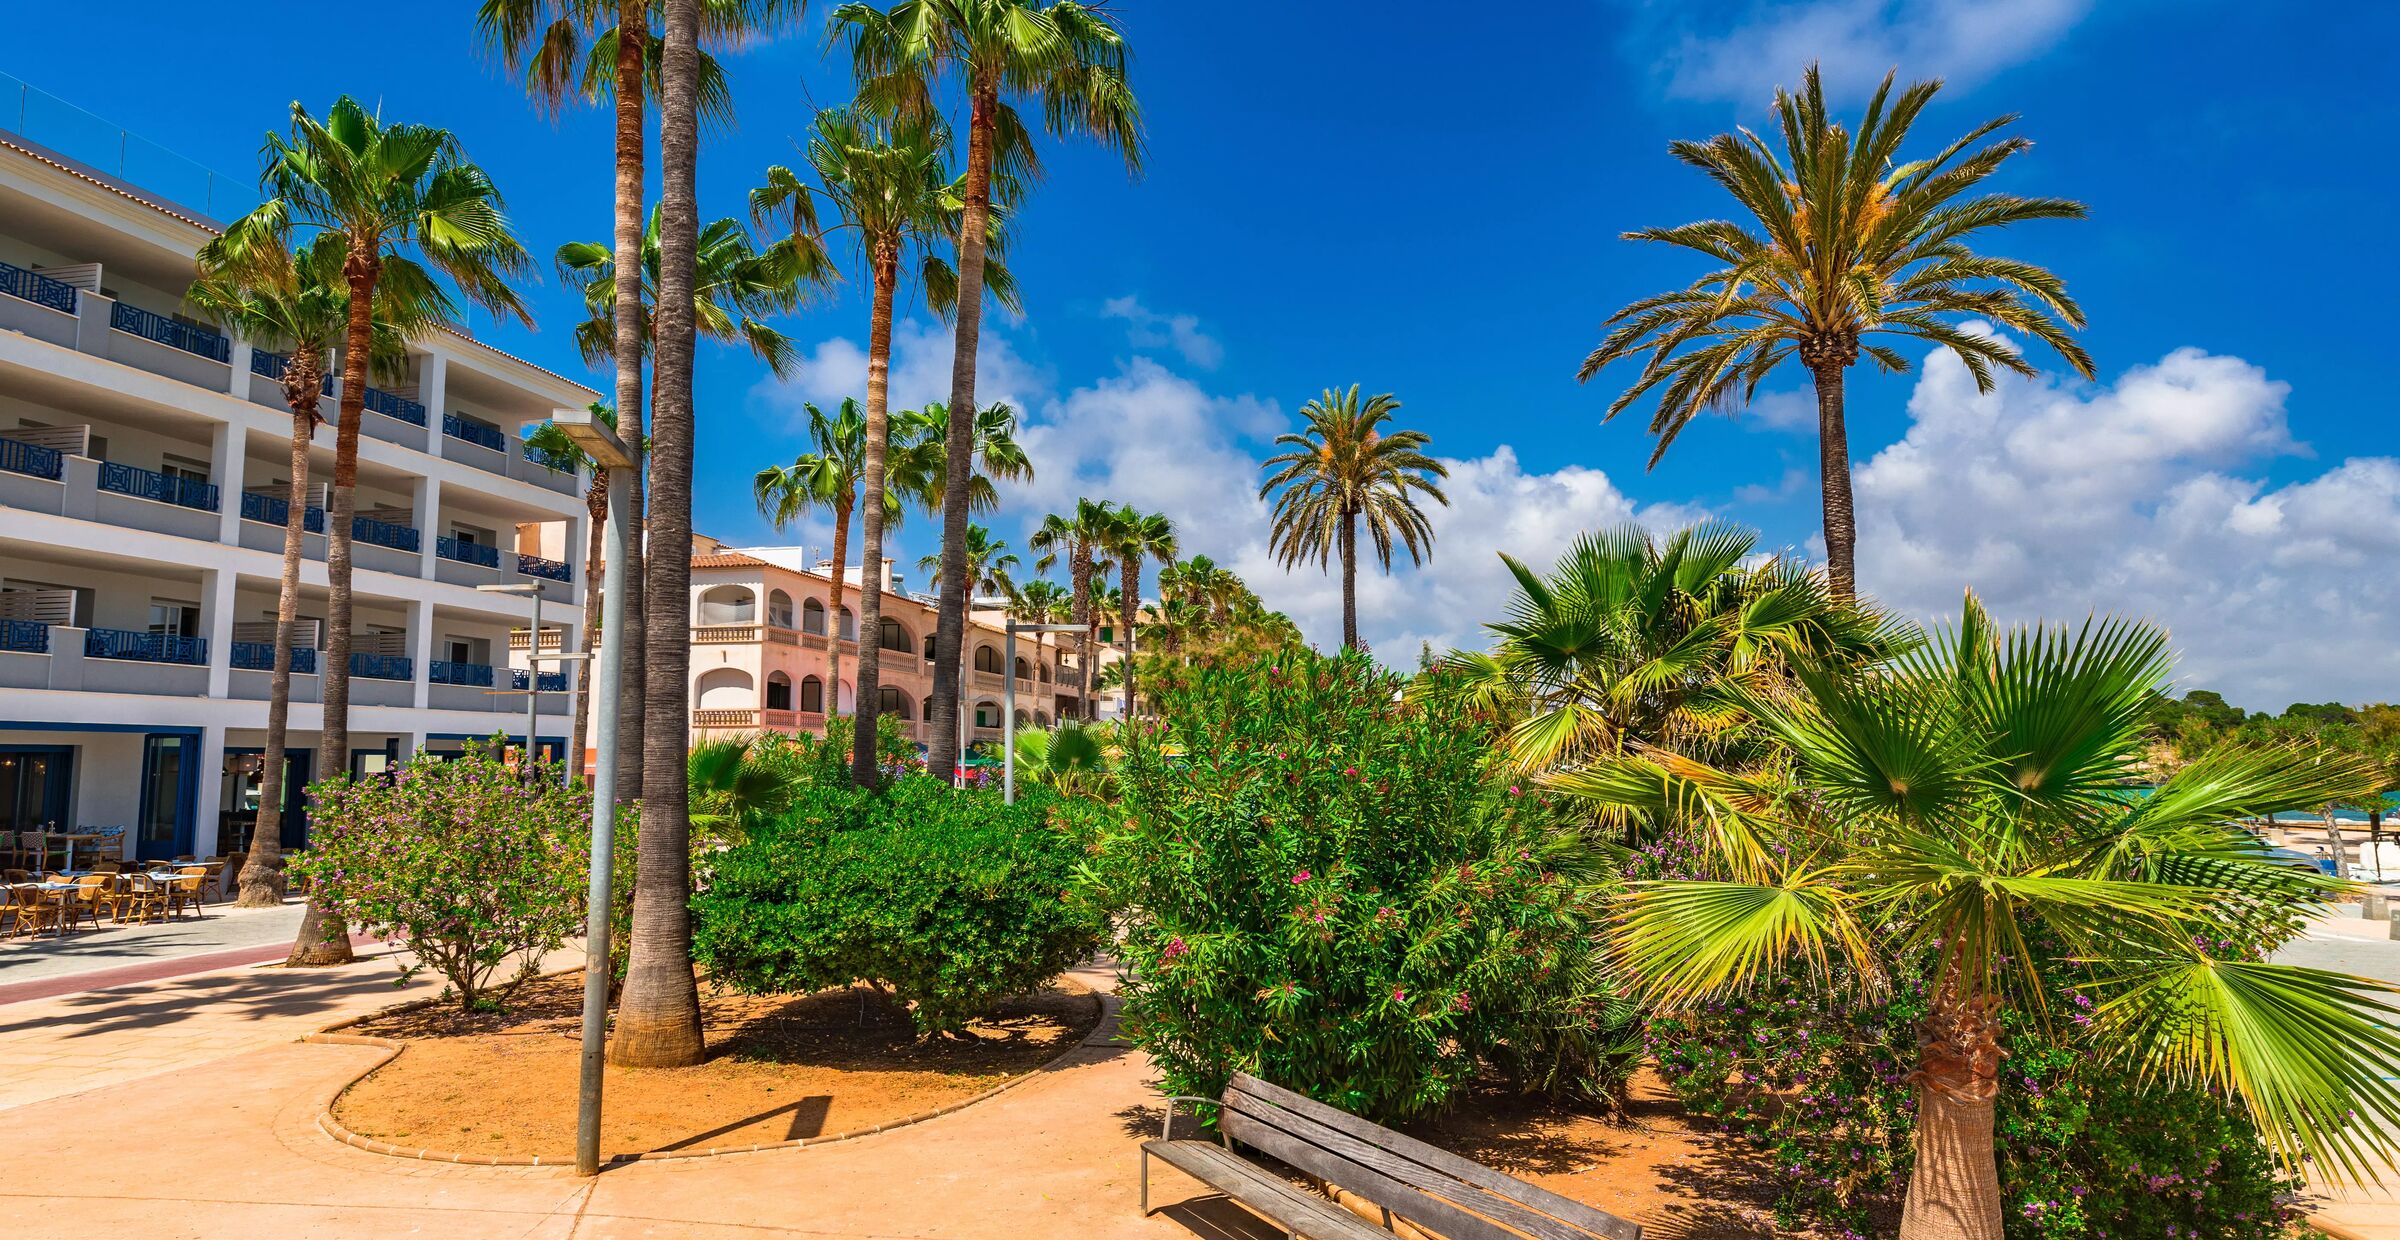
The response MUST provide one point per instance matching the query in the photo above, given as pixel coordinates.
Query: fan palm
(829, 478)
(1079, 534)
(890, 189)
(301, 305)
(384, 193)
(1966, 807)
(1069, 758)
(1040, 602)
(1136, 536)
(989, 565)
(1844, 243)
(1633, 640)
(1072, 59)
(1344, 468)
(742, 781)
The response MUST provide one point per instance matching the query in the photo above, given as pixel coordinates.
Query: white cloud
(1709, 53)
(920, 375)
(1148, 329)
(2055, 502)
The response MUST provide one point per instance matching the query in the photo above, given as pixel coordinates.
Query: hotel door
(33, 788)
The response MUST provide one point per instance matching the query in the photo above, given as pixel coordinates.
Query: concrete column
(208, 805)
(228, 460)
(579, 540)
(426, 501)
(237, 382)
(420, 646)
(433, 391)
(411, 744)
(216, 623)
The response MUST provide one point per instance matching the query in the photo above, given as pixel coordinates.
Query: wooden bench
(1432, 1189)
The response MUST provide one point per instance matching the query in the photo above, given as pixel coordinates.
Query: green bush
(472, 869)
(952, 900)
(1336, 891)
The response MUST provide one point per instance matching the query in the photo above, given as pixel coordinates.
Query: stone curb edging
(331, 1035)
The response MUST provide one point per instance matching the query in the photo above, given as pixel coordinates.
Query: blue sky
(1393, 196)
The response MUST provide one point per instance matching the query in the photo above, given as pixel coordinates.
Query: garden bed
(780, 1068)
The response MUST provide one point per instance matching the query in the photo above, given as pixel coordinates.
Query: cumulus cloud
(1716, 51)
(1148, 329)
(2137, 498)
(920, 372)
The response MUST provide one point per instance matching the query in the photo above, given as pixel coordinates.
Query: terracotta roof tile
(727, 559)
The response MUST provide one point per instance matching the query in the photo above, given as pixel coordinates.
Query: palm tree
(1344, 468)
(1137, 536)
(989, 564)
(1039, 601)
(921, 447)
(1634, 641)
(735, 287)
(301, 305)
(1845, 243)
(383, 191)
(889, 187)
(829, 478)
(1079, 535)
(1071, 59)
(1964, 808)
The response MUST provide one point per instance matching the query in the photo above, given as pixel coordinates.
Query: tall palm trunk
(1132, 604)
(595, 505)
(2341, 847)
(323, 939)
(1349, 551)
(865, 770)
(950, 630)
(658, 1015)
(262, 872)
(833, 617)
(632, 716)
(1954, 1193)
(1088, 627)
(1833, 465)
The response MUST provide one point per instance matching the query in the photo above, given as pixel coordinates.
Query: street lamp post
(1008, 696)
(599, 441)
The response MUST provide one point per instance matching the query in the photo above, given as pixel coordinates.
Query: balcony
(719, 634)
(475, 433)
(17, 457)
(384, 534)
(475, 675)
(144, 647)
(555, 462)
(467, 552)
(157, 487)
(550, 682)
(260, 657)
(382, 666)
(173, 333)
(389, 404)
(547, 570)
(276, 511)
(37, 288)
(724, 719)
(25, 636)
(773, 718)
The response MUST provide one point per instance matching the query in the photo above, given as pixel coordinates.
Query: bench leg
(1145, 1183)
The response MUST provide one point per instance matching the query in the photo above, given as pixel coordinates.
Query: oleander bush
(476, 871)
(952, 901)
(1341, 893)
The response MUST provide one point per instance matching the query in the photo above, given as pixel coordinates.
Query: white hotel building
(143, 467)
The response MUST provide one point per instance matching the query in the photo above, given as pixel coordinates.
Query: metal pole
(1008, 721)
(604, 826)
(572, 766)
(533, 683)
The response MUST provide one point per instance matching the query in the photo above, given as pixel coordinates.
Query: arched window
(925, 708)
(726, 688)
(1044, 669)
(812, 616)
(895, 637)
(779, 691)
(892, 702)
(1024, 670)
(929, 647)
(987, 659)
(728, 605)
(812, 696)
(779, 609)
(849, 626)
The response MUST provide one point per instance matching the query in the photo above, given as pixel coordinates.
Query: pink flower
(1175, 947)
(1301, 877)
(1399, 995)
(1512, 791)
(1349, 772)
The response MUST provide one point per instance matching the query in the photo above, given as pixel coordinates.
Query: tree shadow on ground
(251, 995)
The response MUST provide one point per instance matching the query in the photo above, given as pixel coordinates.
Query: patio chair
(216, 880)
(93, 893)
(140, 899)
(183, 890)
(31, 910)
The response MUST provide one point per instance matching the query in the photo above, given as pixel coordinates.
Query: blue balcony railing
(384, 534)
(467, 552)
(536, 566)
(260, 657)
(269, 364)
(382, 666)
(25, 636)
(37, 288)
(171, 332)
(555, 462)
(551, 682)
(276, 510)
(394, 405)
(457, 427)
(144, 647)
(26, 458)
(471, 674)
(165, 488)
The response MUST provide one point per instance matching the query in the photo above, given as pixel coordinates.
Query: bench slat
(1432, 1213)
(1594, 1221)
(1268, 1194)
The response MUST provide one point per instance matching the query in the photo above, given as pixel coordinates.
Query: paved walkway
(219, 929)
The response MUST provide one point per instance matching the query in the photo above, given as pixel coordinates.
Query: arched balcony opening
(812, 616)
(779, 691)
(727, 605)
(779, 609)
(812, 693)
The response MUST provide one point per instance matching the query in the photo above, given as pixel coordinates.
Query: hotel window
(175, 619)
(185, 468)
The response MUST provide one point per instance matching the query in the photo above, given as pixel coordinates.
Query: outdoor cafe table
(59, 930)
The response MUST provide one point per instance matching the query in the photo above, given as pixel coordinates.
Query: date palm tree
(990, 565)
(829, 478)
(890, 189)
(1079, 535)
(302, 306)
(1843, 242)
(385, 192)
(1071, 59)
(1136, 537)
(1964, 808)
(1342, 468)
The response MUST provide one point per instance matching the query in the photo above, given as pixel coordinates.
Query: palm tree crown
(735, 287)
(990, 565)
(1344, 468)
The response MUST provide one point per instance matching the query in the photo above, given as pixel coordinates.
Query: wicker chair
(184, 890)
(31, 910)
(140, 898)
(93, 892)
